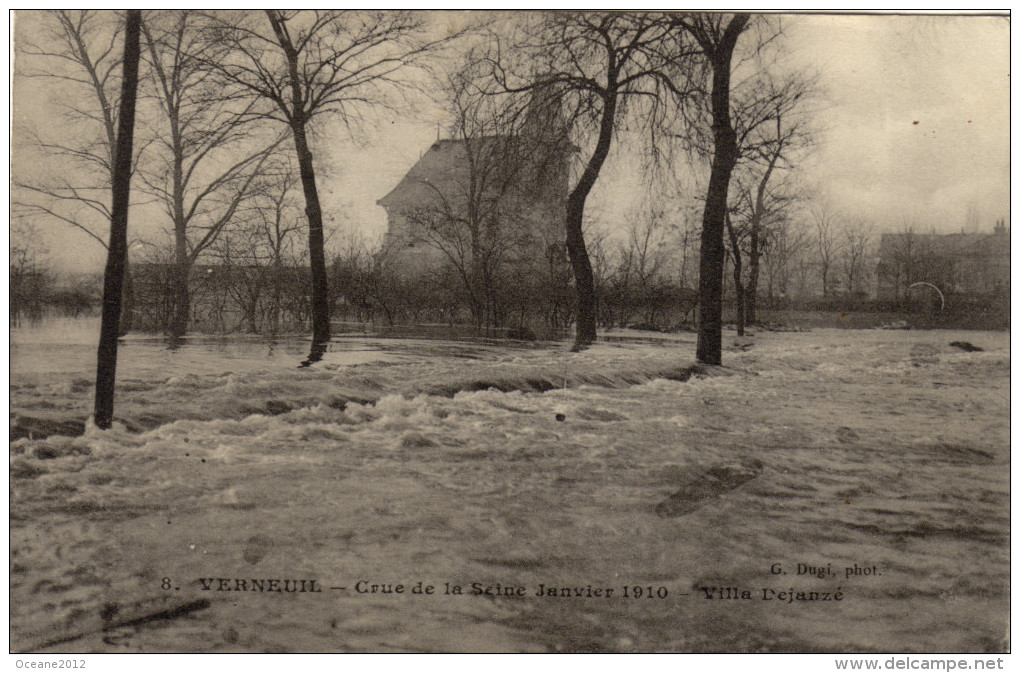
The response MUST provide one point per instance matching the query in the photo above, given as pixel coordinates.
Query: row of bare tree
(213, 85)
(257, 281)
(222, 93)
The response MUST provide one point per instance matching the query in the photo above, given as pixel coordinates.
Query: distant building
(958, 264)
(497, 196)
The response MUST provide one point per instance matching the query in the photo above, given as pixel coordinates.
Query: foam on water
(444, 468)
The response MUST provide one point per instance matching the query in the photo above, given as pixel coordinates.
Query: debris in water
(845, 435)
(256, 549)
(699, 486)
(115, 616)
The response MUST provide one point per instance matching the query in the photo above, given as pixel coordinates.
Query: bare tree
(351, 278)
(737, 235)
(309, 64)
(196, 173)
(278, 219)
(717, 35)
(786, 245)
(113, 280)
(826, 242)
(80, 52)
(855, 249)
(756, 220)
(772, 131)
(27, 267)
(259, 251)
(487, 207)
(602, 63)
(803, 266)
(646, 255)
(688, 243)
(908, 257)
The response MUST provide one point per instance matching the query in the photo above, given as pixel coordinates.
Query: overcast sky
(917, 121)
(913, 126)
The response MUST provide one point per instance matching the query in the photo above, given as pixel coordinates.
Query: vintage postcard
(510, 332)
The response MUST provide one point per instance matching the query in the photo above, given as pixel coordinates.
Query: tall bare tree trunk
(113, 279)
(713, 252)
(316, 243)
(313, 209)
(584, 279)
(710, 286)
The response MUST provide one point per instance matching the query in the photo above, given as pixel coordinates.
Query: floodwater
(879, 459)
(68, 346)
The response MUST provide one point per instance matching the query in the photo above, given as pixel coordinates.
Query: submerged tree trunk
(713, 253)
(116, 260)
(584, 279)
(316, 241)
(313, 209)
(709, 349)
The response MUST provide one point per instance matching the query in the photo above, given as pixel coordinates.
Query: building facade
(482, 200)
(974, 265)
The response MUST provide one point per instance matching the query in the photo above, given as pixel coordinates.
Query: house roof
(443, 160)
(446, 160)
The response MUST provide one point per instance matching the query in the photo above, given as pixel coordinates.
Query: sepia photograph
(501, 332)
